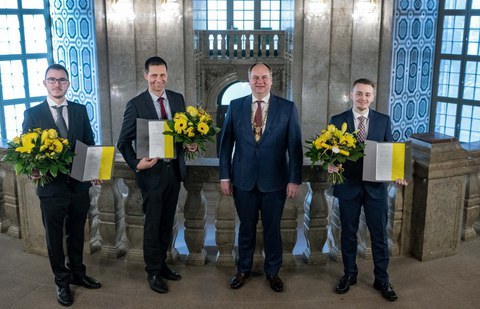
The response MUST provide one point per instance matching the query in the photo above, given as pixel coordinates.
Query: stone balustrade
(445, 185)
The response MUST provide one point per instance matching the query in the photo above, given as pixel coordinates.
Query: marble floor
(453, 282)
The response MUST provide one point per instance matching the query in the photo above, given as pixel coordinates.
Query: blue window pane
(455, 4)
(452, 35)
(464, 136)
(36, 75)
(13, 119)
(473, 36)
(35, 35)
(12, 79)
(32, 4)
(8, 4)
(449, 73)
(471, 87)
(9, 35)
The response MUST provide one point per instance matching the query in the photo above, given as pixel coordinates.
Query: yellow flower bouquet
(193, 126)
(334, 147)
(40, 153)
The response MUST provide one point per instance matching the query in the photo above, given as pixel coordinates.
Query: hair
(57, 67)
(258, 63)
(155, 60)
(364, 81)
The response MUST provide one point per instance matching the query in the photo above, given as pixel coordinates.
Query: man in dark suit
(64, 201)
(158, 179)
(355, 193)
(263, 133)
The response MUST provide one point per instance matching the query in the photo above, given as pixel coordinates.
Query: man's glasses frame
(53, 80)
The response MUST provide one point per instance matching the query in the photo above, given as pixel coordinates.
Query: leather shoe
(238, 280)
(157, 284)
(169, 274)
(386, 289)
(64, 296)
(275, 283)
(86, 282)
(344, 284)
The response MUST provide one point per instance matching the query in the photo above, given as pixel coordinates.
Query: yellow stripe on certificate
(106, 163)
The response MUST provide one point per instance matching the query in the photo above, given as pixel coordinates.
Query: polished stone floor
(453, 282)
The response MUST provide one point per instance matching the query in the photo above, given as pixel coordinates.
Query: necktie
(60, 122)
(361, 129)
(257, 121)
(162, 108)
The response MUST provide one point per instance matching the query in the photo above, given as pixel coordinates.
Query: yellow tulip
(192, 111)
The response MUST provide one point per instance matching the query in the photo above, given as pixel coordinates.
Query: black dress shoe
(238, 280)
(275, 283)
(344, 284)
(157, 284)
(386, 289)
(64, 296)
(86, 282)
(169, 274)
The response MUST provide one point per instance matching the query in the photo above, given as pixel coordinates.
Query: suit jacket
(379, 130)
(79, 128)
(143, 107)
(271, 163)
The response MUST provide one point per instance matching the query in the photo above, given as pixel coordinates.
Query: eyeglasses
(53, 80)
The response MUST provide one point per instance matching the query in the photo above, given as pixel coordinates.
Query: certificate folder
(151, 142)
(387, 161)
(92, 162)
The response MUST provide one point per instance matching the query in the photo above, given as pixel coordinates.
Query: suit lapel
(273, 108)
(247, 117)
(46, 114)
(350, 121)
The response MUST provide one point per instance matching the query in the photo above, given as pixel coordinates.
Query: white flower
(335, 150)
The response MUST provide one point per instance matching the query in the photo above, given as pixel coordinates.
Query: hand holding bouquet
(39, 153)
(334, 147)
(195, 126)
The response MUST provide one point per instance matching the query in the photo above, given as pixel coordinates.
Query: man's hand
(146, 163)
(35, 175)
(192, 147)
(292, 190)
(97, 182)
(334, 168)
(226, 187)
(402, 182)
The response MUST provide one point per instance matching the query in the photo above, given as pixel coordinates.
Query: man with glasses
(64, 201)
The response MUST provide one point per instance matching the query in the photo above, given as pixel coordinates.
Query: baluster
(134, 219)
(215, 47)
(109, 212)
(248, 46)
(281, 45)
(316, 214)
(195, 223)
(472, 208)
(225, 229)
(93, 232)
(10, 215)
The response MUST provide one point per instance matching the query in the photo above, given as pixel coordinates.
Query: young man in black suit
(158, 179)
(355, 193)
(64, 201)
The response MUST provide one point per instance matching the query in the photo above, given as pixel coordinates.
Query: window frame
(23, 57)
(463, 57)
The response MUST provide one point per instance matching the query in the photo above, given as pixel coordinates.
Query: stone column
(440, 179)
(225, 230)
(472, 208)
(9, 208)
(316, 215)
(195, 223)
